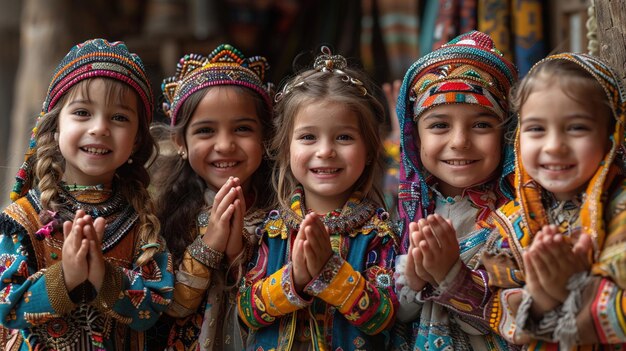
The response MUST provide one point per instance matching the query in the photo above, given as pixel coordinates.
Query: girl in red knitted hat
(83, 265)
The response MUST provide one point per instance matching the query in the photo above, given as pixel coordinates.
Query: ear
(179, 142)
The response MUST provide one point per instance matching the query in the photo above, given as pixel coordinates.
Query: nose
(224, 143)
(326, 150)
(99, 126)
(460, 139)
(554, 143)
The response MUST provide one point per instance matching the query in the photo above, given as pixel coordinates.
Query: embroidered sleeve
(264, 299)
(138, 297)
(27, 297)
(366, 299)
(192, 281)
(463, 290)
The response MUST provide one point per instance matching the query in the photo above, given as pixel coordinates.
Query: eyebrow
(533, 119)
(446, 115)
(89, 102)
(236, 120)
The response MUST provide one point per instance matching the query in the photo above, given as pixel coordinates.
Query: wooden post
(611, 21)
(43, 42)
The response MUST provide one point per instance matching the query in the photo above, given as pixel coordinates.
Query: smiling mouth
(95, 151)
(557, 167)
(325, 170)
(224, 164)
(459, 162)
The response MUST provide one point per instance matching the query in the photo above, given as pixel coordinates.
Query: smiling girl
(322, 278)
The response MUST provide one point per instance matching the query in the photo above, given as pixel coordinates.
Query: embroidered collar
(354, 214)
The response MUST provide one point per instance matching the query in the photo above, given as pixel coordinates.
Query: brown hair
(49, 164)
(313, 86)
(574, 80)
(176, 179)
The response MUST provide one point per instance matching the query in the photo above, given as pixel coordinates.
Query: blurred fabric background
(383, 36)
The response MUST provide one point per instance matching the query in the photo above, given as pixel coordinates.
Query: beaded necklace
(97, 202)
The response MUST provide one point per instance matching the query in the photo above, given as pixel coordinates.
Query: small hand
(542, 301)
(418, 256)
(95, 257)
(557, 260)
(234, 247)
(317, 247)
(222, 212)
(410, 271)
(440, 246)
(74, 252)
(301, 276)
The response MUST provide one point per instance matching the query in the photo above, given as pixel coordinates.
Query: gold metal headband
(326, 62)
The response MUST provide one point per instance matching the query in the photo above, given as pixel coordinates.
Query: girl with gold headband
(323, 278)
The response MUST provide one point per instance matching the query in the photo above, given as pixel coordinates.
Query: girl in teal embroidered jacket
(324, 281)
(83, 266)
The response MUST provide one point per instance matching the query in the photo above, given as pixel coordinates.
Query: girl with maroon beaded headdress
(83, 265)
(212, 193)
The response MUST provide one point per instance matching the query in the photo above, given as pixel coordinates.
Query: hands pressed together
(433, 251)
(225, 230)
(311, 250)
(550, 261)
(82, 251)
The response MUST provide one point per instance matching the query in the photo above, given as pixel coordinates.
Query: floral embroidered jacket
(34, 302)
(348, 306)
(592, 316)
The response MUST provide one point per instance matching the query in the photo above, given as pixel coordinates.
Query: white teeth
(556, 167)
(326, 171)
(224, 164)
(93, 150)
(459, 162)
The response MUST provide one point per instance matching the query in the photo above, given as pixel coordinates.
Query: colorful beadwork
(92, 59)
(224, 66)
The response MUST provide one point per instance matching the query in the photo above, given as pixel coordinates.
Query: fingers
(225, 197)
(99, 225)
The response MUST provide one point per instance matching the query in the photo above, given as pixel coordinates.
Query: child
(322, 278)
(570, 189)
(83, 264)
(453, 117)
(220, 111)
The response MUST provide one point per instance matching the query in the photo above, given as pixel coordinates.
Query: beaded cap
(224, 66)
(467, 70)
(93, 58)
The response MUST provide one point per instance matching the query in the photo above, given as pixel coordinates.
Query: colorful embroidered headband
(326, 62)
(224, 66)
(469, 70)
(92, 59)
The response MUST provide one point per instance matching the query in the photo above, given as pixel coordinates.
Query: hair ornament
(226, 65)
(326, 62)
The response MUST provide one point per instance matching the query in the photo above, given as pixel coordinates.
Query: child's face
(96, 135)
(562, 141)
(327, 154)
(459, 145)
(224, 137)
